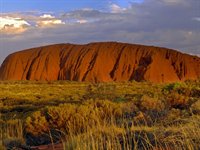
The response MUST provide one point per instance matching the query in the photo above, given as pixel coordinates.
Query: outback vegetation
(118, 115)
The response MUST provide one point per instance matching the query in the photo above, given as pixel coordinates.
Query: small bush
(176, 100)
(37, 123)
(147, 103)
(171, 86)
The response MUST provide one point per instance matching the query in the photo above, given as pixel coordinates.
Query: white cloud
(10, 25)
(47, 23)
(116, 8)
(44, 16)
(48, 20)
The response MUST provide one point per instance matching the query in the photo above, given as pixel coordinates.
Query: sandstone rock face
(100, 62)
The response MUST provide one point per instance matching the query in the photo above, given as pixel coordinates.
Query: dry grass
(11, 133)
(127, 115)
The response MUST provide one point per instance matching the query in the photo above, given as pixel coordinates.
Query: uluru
(100, 62)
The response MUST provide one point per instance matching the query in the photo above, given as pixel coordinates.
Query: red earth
(48, 147)
(100, 62)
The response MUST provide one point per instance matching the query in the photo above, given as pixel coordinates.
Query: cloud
(10, 25)
(173, 1)
(87, 14)
(116, 8)
(44, 16)
(152, 22)
(47, 20)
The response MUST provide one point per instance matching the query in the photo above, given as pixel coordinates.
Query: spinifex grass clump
(75, 119)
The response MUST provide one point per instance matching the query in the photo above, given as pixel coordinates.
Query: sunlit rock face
(100, 62)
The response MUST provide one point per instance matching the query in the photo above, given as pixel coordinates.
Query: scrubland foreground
(87, 116)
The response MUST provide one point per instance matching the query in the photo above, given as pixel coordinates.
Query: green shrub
(180, 88)
(172, 86)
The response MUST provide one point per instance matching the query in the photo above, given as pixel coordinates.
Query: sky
(166, 23)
